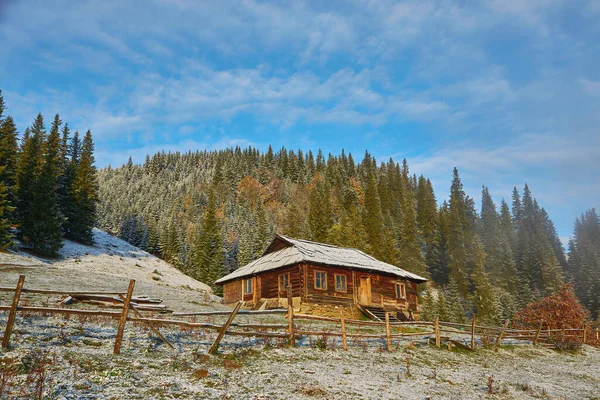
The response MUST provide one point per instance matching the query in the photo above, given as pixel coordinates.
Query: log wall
(302, 279)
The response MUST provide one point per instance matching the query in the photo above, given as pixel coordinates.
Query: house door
(364, 291)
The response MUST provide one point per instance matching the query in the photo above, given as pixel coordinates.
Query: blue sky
(508, 91)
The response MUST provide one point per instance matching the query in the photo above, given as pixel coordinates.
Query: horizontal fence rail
(295, 328)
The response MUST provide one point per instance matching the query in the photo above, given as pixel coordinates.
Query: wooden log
(359, 322)
(282, 335)
(502, 334)
(291, 316)
(151, 325)
(63, 292)
(13, 311)
(537, 335)
(51, 310)
(388, 332)
(123, 320)
(436, 329)
(213, 349)
(473, 333)
(343, 324)
(240, 312)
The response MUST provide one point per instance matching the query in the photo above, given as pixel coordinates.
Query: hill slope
(107, 266)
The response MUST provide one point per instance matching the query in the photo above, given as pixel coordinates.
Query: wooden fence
(434, 332)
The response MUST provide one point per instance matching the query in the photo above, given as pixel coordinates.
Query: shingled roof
(285, 251)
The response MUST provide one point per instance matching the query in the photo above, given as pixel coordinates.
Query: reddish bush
(561, 310)
(561, 314)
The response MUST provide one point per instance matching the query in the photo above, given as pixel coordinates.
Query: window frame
(287, 275)
(245, 288)
(323, 281)
(345, 280)
(401, 294)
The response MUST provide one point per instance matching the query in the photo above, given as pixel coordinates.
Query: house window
(400, 291)
(284, 281)
(340, 283)
(248, 286)
(320, 280)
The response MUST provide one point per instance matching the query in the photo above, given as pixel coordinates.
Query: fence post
(224, 328)
(388, 332)
(537, 335)
(123, 319)
(436, 329)
(473, 333)
(13, 311)
(292, 330)
(584, 332)
(343, 323)
(502, 333)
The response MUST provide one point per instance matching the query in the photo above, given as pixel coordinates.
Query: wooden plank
(502, 333)
(343, 324)
(537, 335)
(213, 349)
(436, 329)
(388, 332)
(13, 311)
(123, 319)
(473, 333)
(291, 316)
(154, 329)
(460, 345)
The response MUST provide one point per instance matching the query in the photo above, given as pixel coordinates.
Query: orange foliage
(560, 310)
(250, 190)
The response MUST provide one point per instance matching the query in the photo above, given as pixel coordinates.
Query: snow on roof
(300, 251)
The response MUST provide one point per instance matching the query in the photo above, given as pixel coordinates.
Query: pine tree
(6, 237)
(36, 193)
(410, 256)
(454, 303)
(67, 201)
(373, 219)
(441, 306)
(45, 234)
(457, 253)
(320, 212)
(85, 193)
(8, 158)
(208, 250)
(428, 308)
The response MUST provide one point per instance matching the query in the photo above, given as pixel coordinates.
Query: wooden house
(322, 274)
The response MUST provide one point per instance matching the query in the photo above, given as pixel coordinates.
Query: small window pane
(248, 286)
(320, 280)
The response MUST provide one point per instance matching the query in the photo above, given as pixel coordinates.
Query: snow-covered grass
(108, 265)
(77, 361)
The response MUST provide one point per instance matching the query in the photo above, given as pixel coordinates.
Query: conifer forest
(210, 212)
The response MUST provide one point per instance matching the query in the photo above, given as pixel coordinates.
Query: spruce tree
(454, 303)
(45, 235)
(410, 256)
(9, 150)
(457, 252)
(85, 193)
(320, 212)
(373, 219)
(208, 249)
(6, 237)
(29, 168)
